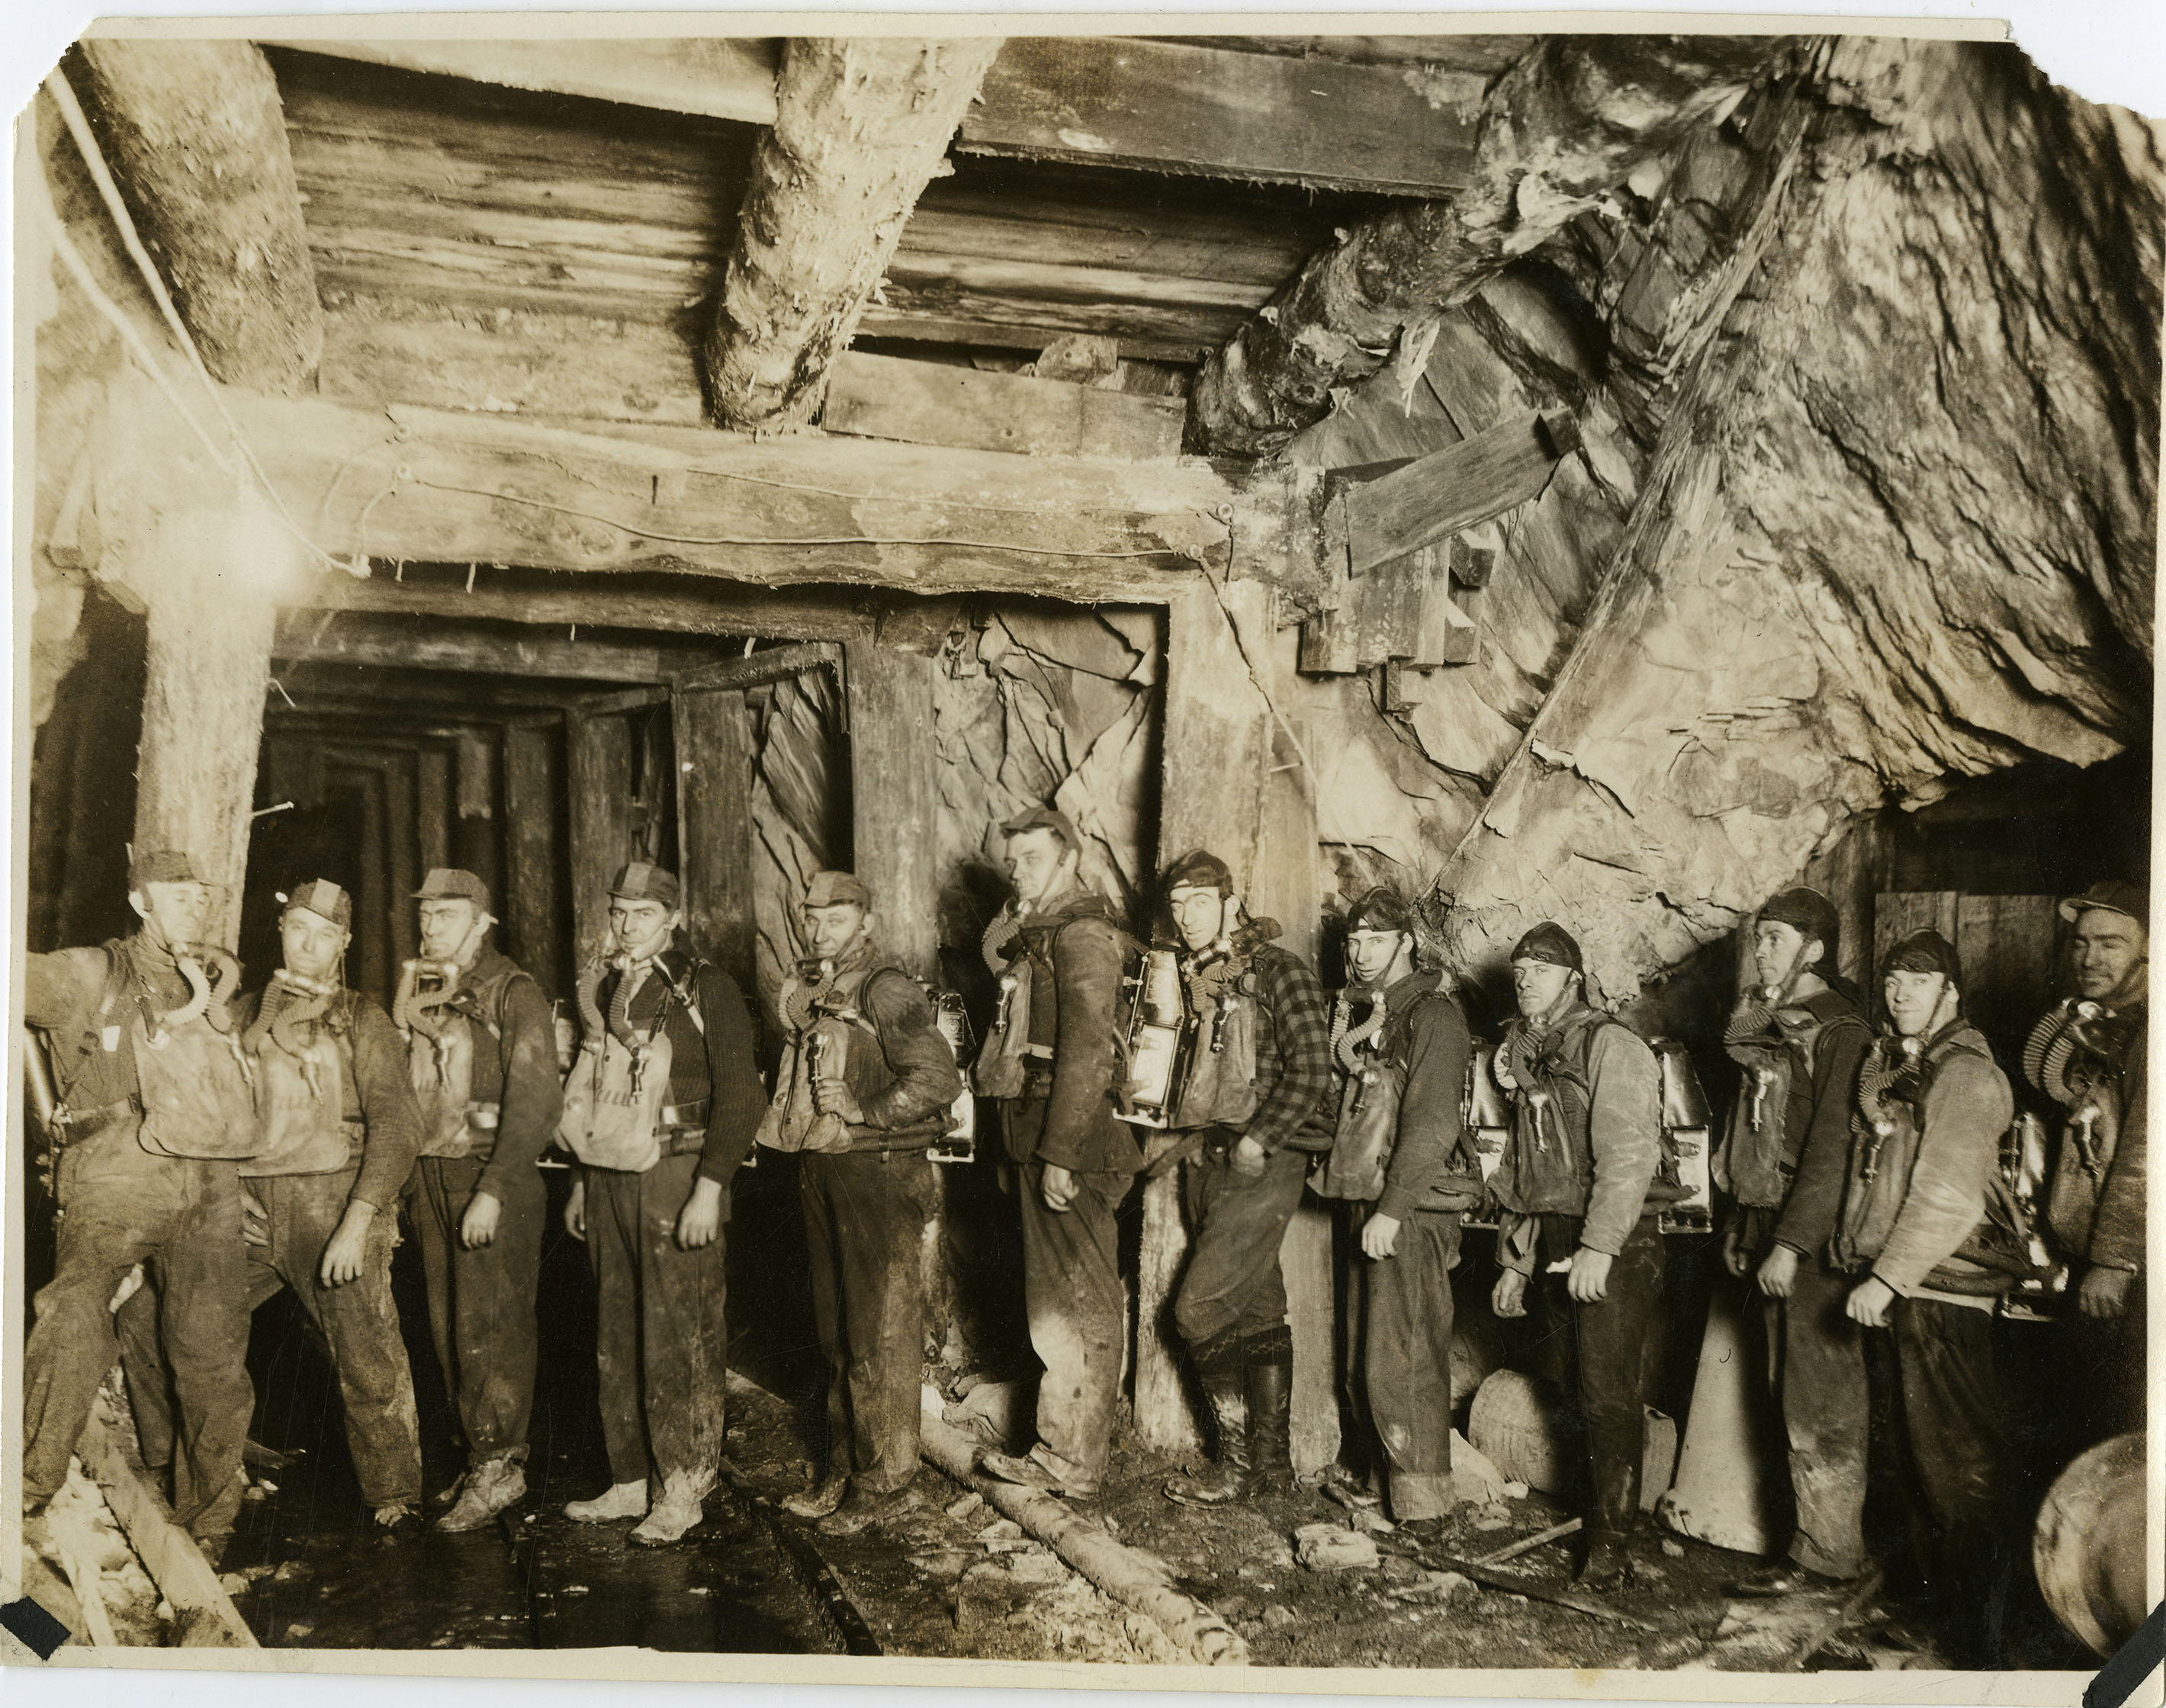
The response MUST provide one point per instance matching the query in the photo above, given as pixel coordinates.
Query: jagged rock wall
(1900, 526)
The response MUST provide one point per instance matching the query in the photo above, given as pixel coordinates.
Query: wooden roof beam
(1560, 130)
(196, 140)
(861, 125)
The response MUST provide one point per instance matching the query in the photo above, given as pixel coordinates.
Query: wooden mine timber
(700, 607)
(598, 783)
(306, 638)
(532, 898)
(1562, 127)
(923, 402)
(860, 125)
(712, 740)
(433, 487)
(193, 133)
(1434, 497)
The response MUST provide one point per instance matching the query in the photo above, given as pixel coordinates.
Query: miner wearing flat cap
(1050, 1060)
(660, 1110)
(867, 1083)
(1581, 1185)
(153, 1117)
(2088, 1055)
(339, 1129)
(482, 1055)
(1254, 1098)
(1917, 1241)
(1799, 1033)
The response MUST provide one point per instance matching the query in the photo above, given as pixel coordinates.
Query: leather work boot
(860, 1510)
(1270, 1407)
(1615, 1515)
(1032, 1470)
(676, 1512)
(820, 1498)
(489, 1487)
(618, 1500)
(1222, 1367)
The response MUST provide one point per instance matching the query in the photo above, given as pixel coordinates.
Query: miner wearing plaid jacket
(1255, 1094)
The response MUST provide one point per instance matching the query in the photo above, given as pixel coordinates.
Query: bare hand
(478, 1226)
(1508, 1298)
(575, 1209)
(1588, 1280)
(1058, 1188)
(254, 1220)
(1249, 1159)
(2105, 1291)
(1868, 1302)
(701, 1218)
(1380, 1236)
(1778, 1272)
(1735, 1258)
(833, 1097)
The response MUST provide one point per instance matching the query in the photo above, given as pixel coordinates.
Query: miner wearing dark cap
(868, 1083)
(339, 1129)
(1799, 1035)
(1914, 1238)
(660, 1110)
(1261, 1069)
(2087, 1054)
(1582, 1183)
(153, 1119)
(483, 1062)
(1401, 1153)
(1050, 1059)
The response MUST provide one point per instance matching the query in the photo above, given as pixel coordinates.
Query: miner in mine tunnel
(483, 1062)
(339, 1129)
(1800, 1034)
(868, 1083)
(1050, 1060)
(661, 1108)
(1252, 1106)
(1583, 1181)
(153, 1119)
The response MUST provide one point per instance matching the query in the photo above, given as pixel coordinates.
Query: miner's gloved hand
(1058, 1188)
(342, 1255)
(1735, 1258)
(575, 1208)
(1588, 1280)
(701, 1218)
(254, 1220)
(833, 1097)
(1868, 1302)
(1508, 1298)
(1778, 1272)
(2104, 1290)
(478, 1226)
(1380, 1236)
(1248, 1158)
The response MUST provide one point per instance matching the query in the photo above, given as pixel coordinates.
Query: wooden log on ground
(1564, 127)
(713, 741)
(1135, 1578)
(922, 402)
(860, 126)
(196, 139)
(598, 767)
(533, 900)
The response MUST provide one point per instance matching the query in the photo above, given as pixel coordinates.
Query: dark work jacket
(60, 997)
(1430, 1040)
(1816, 1125)
(1065, 1115)
(710, 1062)
(520, 1075)
(378, 1092)
(902, 1073)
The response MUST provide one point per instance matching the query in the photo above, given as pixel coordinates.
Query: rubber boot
(1221, 1367)
(1270, 1403)
(1609, 1525)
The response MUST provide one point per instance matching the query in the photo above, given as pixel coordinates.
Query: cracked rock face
(1900, 526)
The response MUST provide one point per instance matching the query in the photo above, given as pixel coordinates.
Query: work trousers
(357, 1324)
(481, 1302)
(1952, 1419)
(1237, 1224)
(661, 1348)
(181, 1218)
(1817, 1364)
(1078, 1316)
(1611, 1337)
(1405, 1325)
(864, 1225)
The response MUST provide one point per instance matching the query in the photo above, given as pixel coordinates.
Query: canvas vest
(192, 1082)
(1885, 1132)
(453, 1124)
(2077, 1055)
(1220, 1088)
(1758, 1155)
(1548, 1164)
(307, 1099)
(617, 1113)
(1372, 1070)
